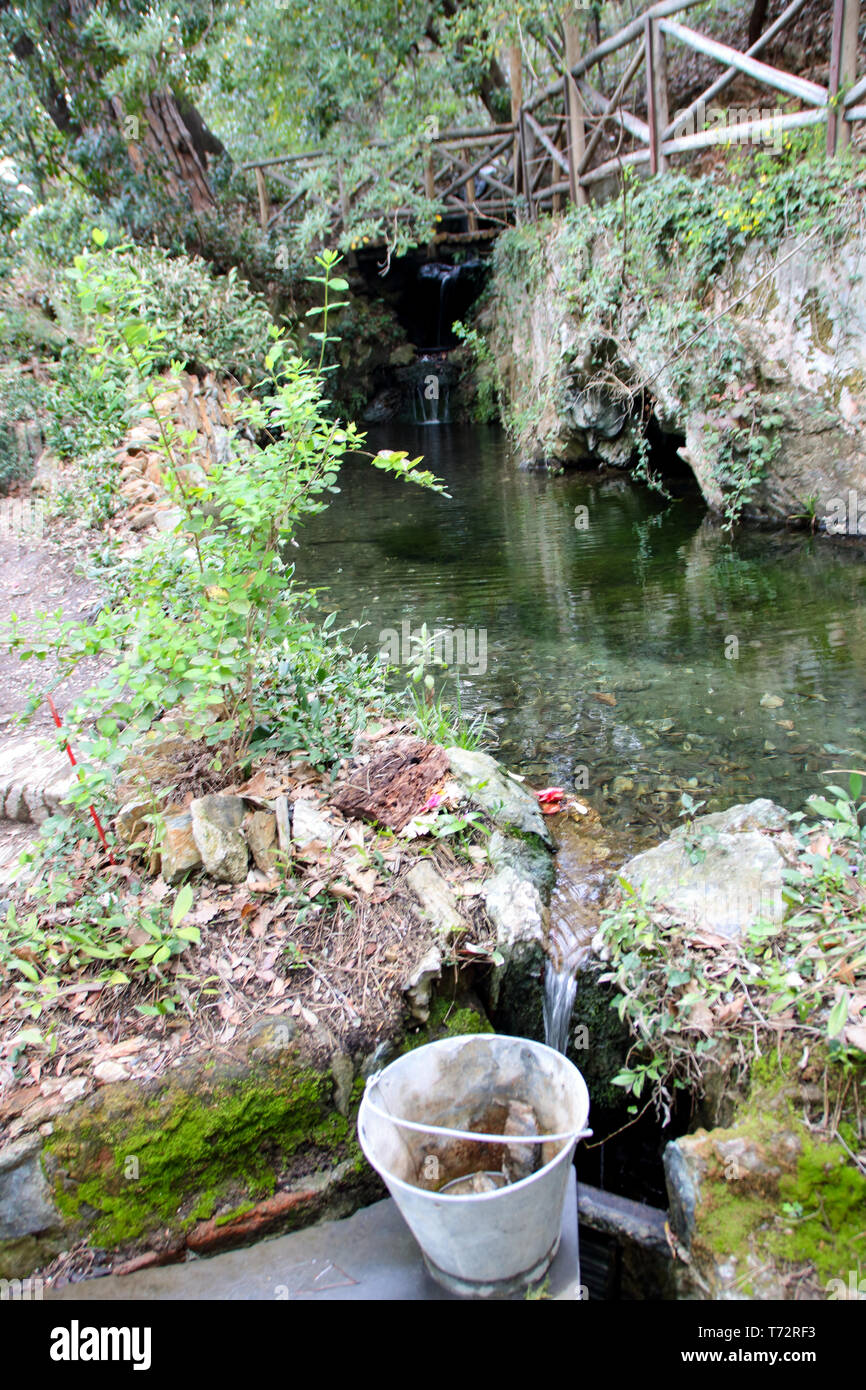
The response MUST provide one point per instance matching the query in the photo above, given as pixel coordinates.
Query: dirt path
(36, 574)
(39, 575)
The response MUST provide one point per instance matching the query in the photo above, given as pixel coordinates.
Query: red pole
(96, 821)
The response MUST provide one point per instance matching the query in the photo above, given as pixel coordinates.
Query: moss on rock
(772, 1197)
(132, 1160)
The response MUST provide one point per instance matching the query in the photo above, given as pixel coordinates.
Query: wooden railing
(573, 135)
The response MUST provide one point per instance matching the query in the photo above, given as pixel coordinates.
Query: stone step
(369, 1257)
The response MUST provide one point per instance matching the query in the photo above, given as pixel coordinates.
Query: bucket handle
(464, 1133)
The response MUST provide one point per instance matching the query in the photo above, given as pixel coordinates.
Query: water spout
(560, 991)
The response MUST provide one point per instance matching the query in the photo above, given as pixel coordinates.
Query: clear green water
(640, 605)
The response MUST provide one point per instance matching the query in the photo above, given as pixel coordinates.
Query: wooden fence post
(526, 148)
(576, 142)
(264, 201)
(430, 192)
(470, 206)
(843, 70)
(657, 93)
(515, 64)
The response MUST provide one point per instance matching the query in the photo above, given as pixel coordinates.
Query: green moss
(192, 1143)
(832, 1195)
(449, 1019)
(240, 1210)
(804, 1206)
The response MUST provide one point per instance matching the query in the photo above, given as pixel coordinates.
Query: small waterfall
(432, 399)
(432, 409)
(574, 917)
(445, 277)
(560, 991)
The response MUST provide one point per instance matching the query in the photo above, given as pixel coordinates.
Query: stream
(618, 643)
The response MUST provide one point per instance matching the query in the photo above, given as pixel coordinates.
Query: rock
(719, 874)
(486, 784)
(529, 860)
(179, 850)
(284, 825)
(683, 1171)
(520, 1160)
(168, 518)
(473, 1185)
(515, 908)
(343, 1072)
(26, 1207)
(257, 882)
(261, 833)
(129, 823)
(309, 824)
(260, 1100)
(418, 988)
(141, 518)
(760, 814)
(801, 339)
(741, 1170)
(436, 897)
(216, 830)
(47, 472)
(34, 778)
(109, 1071)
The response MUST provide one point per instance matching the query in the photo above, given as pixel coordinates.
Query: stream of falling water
(583, 864)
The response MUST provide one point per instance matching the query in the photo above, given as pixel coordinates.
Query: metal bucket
(436, 1114)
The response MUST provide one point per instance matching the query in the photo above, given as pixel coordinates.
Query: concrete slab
(370, 1257)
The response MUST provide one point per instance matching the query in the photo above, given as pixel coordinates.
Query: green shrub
(211, 321)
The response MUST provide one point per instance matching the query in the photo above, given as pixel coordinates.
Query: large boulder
(721, 872)
(771, 1206)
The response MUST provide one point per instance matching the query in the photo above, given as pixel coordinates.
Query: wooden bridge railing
(572, 136)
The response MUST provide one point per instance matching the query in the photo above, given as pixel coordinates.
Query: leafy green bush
(213, 321)
(808, 971)
(61, 225)
(205, 619)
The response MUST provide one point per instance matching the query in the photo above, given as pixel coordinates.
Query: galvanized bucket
(436, 1114)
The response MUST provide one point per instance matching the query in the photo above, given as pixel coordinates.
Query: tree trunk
(66, 74)
(175, 143)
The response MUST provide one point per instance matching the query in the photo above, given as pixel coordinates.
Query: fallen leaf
(124, 1049)
(110, 1071)
(727, 1013)
(855, 1036)
(262, 922)
(710, 939)
(364, 879)
(605, 699)
(205, 911)
(701, 1018)
(342, 890)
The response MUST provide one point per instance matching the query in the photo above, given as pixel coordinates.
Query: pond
(620, 645)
